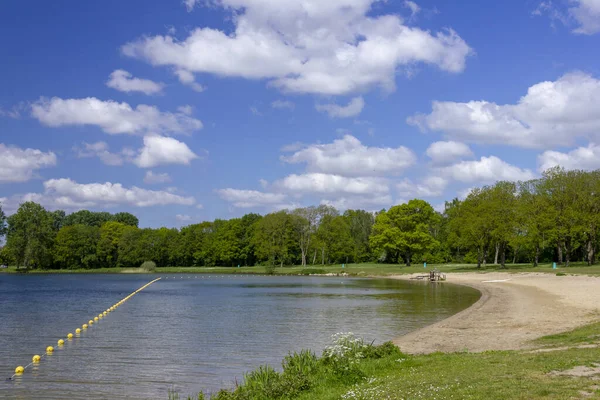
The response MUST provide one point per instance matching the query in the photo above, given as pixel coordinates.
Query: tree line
(553, 218)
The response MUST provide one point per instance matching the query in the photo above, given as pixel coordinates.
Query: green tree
(274, 237)
(361, 224)
(75, 247)
(126, 218)
(3, 226)
(405, 231)
(86, 217)
(108, 244)
(334, 238)
(30, 236)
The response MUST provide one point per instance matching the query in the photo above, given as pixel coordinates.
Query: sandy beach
(513, 310)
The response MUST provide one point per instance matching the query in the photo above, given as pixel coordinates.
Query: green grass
(488, 375)
(366, 269)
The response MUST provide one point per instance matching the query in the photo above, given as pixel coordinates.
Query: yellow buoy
(49, 349)
(36, 359)
(95, 319)
(100, 316)
(77, 331)
(91, 322)
(19, 370)
(70, 336)
(61, 342)
(104, 313)
(84, 326)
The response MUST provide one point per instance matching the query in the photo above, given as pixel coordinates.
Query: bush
(313, 271)
(262, 383)
(384, 350)
(149, 266)
(300, 371)
(561, 274)
(270, 269)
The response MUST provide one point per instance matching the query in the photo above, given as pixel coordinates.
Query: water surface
(195, 332)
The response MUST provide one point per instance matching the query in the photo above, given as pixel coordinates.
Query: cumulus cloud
(20, 165)
(110, 116)
(413, 7)
(349, 157)
(550, 114)
(587, 14)
(353, 108)
(100, 150)
(159, 150)
(327, 47)
(447, 152)
(587, 158)
(320, 183)
(283, 104)
(485, 170)
(251, 198)
(374, 203)
(188, 79)
(432, 186)
(152, 178)
(68, 194)
(123, 81)
(190, 4)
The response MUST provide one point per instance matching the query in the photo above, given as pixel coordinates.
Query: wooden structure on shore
(434, 276)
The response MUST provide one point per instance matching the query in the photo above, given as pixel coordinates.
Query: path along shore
(514, 309)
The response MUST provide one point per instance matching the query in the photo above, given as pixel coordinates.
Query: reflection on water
(192, 334)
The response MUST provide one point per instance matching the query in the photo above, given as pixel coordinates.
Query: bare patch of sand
(513, 310)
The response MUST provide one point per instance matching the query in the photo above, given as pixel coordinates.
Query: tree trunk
(322, 255)
(515, 255)
(485, 254)
(479, 258)
(560, 253)
(591, 253)
(408, 260)
(567, 252)
(503, 255)
(537, 256)
(315, 257)
(496, 256)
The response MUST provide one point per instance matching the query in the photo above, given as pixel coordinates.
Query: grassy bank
(364, 372)
(366, 269)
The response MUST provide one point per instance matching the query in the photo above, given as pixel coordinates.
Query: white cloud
(349, 157)
(447, 152)
(187, 109)
(19, 165)
(152, 178)
(110, 194)
(374, 203)
(123, 81)
(432, 186)
(486, 170)
(327, 47)
(251, 198)
(110, 116)
(100, 150)
(263, 183)
(333, 184)
(587, 158)
(353, 108)
(188, 79)
(587, 14)
(70, 195)
(159, 150)
(190, 4)
(14, 111)
(289, 148)
(414, 7)
(283, 104)
(183, 218)
(550, 114)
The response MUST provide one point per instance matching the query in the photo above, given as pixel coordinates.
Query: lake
(192, 333)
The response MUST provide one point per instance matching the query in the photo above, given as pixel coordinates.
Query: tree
(108, 243)
(405, 231)
(361, 225)
(30, 236)
(75, 247)
(274, 237)
(126, 218)
(335, 241)
(3, 227)
(86, 217)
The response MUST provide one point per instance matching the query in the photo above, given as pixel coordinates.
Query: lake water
(192, 333)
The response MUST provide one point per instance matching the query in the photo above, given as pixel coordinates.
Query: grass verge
(362, 372)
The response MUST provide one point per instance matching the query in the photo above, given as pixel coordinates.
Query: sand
(513, 310)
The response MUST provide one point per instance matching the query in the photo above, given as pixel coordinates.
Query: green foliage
(3, 226)
(75, 246)
(561, 274)
(30, 236)
(270, 269)
(149, 266)
(312, 271)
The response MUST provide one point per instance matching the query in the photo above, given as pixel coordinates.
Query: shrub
(262, 383)
(300, 371)
(384, 350)
(561, 274)
(343, 356)
(270, 269)
(149, 266)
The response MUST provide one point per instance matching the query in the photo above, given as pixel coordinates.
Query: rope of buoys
(50, 350)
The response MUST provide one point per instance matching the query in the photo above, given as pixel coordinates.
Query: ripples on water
(191, 333)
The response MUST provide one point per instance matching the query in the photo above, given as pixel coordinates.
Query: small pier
(433, 276)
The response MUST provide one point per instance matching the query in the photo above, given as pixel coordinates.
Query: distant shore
(514, 309)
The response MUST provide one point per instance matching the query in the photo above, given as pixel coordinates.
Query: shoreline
(514, 309)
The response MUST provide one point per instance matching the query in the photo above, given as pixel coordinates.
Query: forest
(553, 218)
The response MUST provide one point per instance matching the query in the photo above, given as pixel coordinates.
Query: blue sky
(187, 111)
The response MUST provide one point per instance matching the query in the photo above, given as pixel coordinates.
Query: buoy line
(50, 350)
